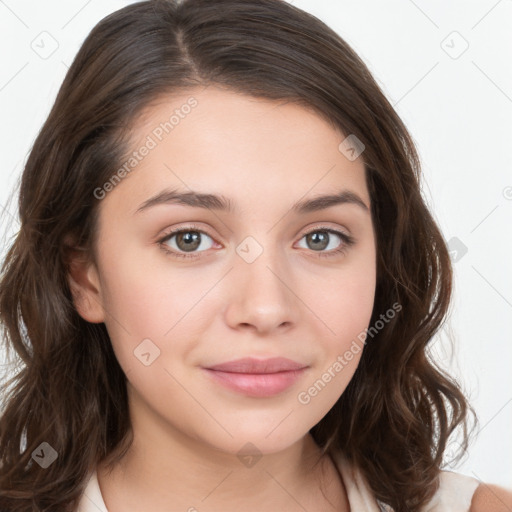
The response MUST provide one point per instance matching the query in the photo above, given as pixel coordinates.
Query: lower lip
(257, 384)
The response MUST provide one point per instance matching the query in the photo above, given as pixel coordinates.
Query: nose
(262, 296)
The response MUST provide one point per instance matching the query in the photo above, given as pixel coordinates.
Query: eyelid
(194, 227)
(167, 234)
(325, 227)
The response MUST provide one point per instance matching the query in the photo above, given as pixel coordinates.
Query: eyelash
(346, 239)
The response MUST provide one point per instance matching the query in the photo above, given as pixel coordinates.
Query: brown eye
(318, 240)
(322, 239)
(328, 242)
(186, 241)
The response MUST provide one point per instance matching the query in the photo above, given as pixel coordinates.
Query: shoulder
(460, 492)
(491, 498)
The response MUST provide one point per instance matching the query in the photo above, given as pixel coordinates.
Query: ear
(84, 284)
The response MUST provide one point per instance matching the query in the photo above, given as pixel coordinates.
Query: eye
(188, 241)
(191, 240)
(326, 238)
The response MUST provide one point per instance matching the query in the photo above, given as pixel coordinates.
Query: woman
(226, 280)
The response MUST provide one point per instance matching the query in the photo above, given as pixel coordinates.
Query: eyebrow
(222, 203)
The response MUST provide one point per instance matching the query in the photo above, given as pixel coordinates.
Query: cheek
(345, 313)
(145, 300)
(343, 301)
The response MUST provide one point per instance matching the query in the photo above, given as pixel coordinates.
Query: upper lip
(253, 365)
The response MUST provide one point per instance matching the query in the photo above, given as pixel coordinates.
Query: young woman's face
(275, 276)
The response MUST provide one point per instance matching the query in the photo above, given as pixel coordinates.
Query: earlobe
(84, 284)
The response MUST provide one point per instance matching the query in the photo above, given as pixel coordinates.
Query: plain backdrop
(445, 67)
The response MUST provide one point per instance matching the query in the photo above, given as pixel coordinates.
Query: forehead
(218, 141)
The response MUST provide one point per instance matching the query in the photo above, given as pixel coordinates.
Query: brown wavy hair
(395, 417)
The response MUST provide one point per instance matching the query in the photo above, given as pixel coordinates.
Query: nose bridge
(261, 295)
(259, 262)
(261, 258)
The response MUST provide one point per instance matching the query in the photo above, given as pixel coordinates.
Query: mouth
(257, 378)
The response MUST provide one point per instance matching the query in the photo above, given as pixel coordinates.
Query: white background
(458, 107)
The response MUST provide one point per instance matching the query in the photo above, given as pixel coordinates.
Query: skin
(491, 498)
(290, 301)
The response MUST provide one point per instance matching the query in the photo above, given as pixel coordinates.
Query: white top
(454, 494)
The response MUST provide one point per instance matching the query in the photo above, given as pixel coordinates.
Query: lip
(257, 377)
(253, 365)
